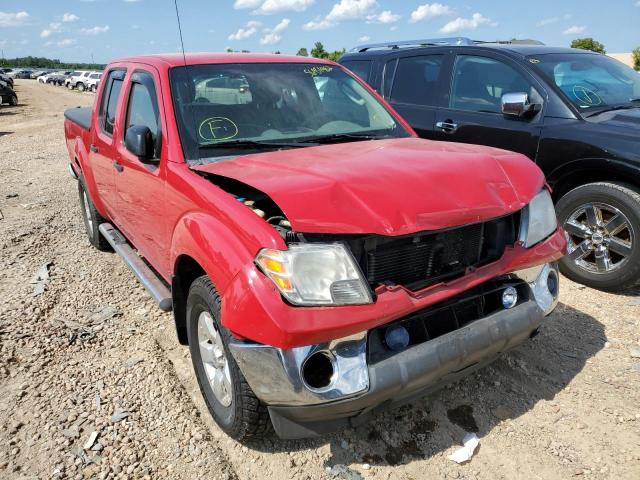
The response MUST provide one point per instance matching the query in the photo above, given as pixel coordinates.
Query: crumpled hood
(387, 187)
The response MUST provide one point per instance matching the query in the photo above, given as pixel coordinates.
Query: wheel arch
(589, 170)
(186, 270)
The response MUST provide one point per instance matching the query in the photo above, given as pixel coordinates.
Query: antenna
(184, 56)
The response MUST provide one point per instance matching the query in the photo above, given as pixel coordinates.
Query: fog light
(396, 337)
(509, 297)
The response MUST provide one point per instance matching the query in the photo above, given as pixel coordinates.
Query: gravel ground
(93, 383)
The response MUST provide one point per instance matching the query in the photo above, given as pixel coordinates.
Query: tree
(588, 44)
(302, 52)
(635, 54)
(318, 51)
(335, 56)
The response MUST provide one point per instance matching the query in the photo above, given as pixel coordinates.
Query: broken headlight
(538, 219)
(315, 274)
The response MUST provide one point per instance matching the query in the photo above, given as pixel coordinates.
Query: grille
(419, 260)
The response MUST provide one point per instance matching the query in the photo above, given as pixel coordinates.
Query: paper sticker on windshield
(214, 129)
(317, 70)
(534, 60)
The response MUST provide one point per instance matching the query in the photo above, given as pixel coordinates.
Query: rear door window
(361, 68)
(416, 80)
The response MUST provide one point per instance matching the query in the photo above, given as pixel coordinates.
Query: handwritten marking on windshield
(217, 128)
(586, 96)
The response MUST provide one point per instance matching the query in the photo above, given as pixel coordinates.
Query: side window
(109, 101)
(361, 68)
(143, 106)
(479, 83)
(387, 79)
(416, 80)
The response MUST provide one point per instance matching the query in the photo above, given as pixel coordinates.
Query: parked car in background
(59, 78)
(6, 70)
(35, 74)
(574, 112)
(10, 72)
(93, 82)
(7, 79)
(78, 79)
(45, 76)
(7, 94)
(23, 74)
(324, 262)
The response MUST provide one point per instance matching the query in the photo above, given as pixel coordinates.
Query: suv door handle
(118, 166)
(447, 127)
(93, 148)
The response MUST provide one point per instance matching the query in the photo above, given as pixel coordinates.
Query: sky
(101, 30)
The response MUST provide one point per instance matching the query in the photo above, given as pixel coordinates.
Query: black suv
(574, 112)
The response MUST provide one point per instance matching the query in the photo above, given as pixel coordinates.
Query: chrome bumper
(275, 374)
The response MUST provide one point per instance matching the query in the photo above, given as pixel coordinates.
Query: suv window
(416, 80)
(110, 101)
(143, 106)
(361, 68)
(479, 83)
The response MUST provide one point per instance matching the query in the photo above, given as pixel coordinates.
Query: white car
(93, 81)
(43, 78)
(77, 79)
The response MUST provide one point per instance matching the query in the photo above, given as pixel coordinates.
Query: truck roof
(177, 59)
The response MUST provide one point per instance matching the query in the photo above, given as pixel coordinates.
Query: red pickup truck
(321, 261)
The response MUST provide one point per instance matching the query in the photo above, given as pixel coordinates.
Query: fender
(585, 170)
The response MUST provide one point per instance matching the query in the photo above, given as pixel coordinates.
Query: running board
(145, 274)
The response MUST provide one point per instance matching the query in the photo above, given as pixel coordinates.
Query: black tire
(13, 100)
(246, 417)
(92, 219)
(626, 200)
(80, 86)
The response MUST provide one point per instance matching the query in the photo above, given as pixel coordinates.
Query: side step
(147, 277)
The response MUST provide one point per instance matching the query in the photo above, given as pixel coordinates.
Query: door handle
(447, 127)
(118, 166)
(93, 148)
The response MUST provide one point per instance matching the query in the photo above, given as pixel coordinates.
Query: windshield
(272, 105)
(592, 82)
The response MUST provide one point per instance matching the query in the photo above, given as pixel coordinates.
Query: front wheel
(228, 396)
(13, 101)
(602, 226)
(80, 87)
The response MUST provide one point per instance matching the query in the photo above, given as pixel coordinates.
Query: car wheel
(80, 87)
(602, 226)
(13, 100)
(228, 396)
(92, 219)
(69, 86)
(92, 88)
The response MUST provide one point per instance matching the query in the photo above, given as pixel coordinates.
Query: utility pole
(92, 58)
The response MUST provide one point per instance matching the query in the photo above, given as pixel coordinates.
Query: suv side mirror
(139, 141)
(518, 105)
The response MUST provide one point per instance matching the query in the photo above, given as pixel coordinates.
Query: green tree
(635, 54)
(588, 44)
(303, 52)
(335, 56)
(318, 51)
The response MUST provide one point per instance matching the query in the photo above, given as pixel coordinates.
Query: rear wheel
(13, 100)
(228, 396)
(602, 226)
(92, 219)
(80, 86)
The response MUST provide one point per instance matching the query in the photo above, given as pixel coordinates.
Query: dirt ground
(93, 354)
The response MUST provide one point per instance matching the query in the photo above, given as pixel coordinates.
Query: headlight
(538, 219)
(315, 274)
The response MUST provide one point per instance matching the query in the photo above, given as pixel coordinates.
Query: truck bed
(80, 116)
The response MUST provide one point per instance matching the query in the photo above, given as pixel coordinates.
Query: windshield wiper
(342, 137)
(624, 106)
(251, 144)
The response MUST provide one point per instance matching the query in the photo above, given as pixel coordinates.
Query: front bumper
(361, 387)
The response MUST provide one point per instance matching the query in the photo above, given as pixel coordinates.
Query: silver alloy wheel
(214, 358)
(87, 212)
(599, 237)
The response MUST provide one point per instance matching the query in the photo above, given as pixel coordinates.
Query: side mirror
(139, 141)
(518, 105)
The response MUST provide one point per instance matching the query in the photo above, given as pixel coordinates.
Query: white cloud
(54, 27)
(274, 36)
(245, 32)
(240, 4)
(638, 3)
(13, 19)
(427, 11)
(66, 42)
(574, 30)
(551, 20)
(343, 10)
(386, 16)
(94, 30)
(364, 38)
(70, 17)
(275, 6)
(467, 23)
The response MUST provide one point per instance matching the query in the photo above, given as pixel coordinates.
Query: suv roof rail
(439, 42)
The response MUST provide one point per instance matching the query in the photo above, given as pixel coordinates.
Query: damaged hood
(387, 187)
